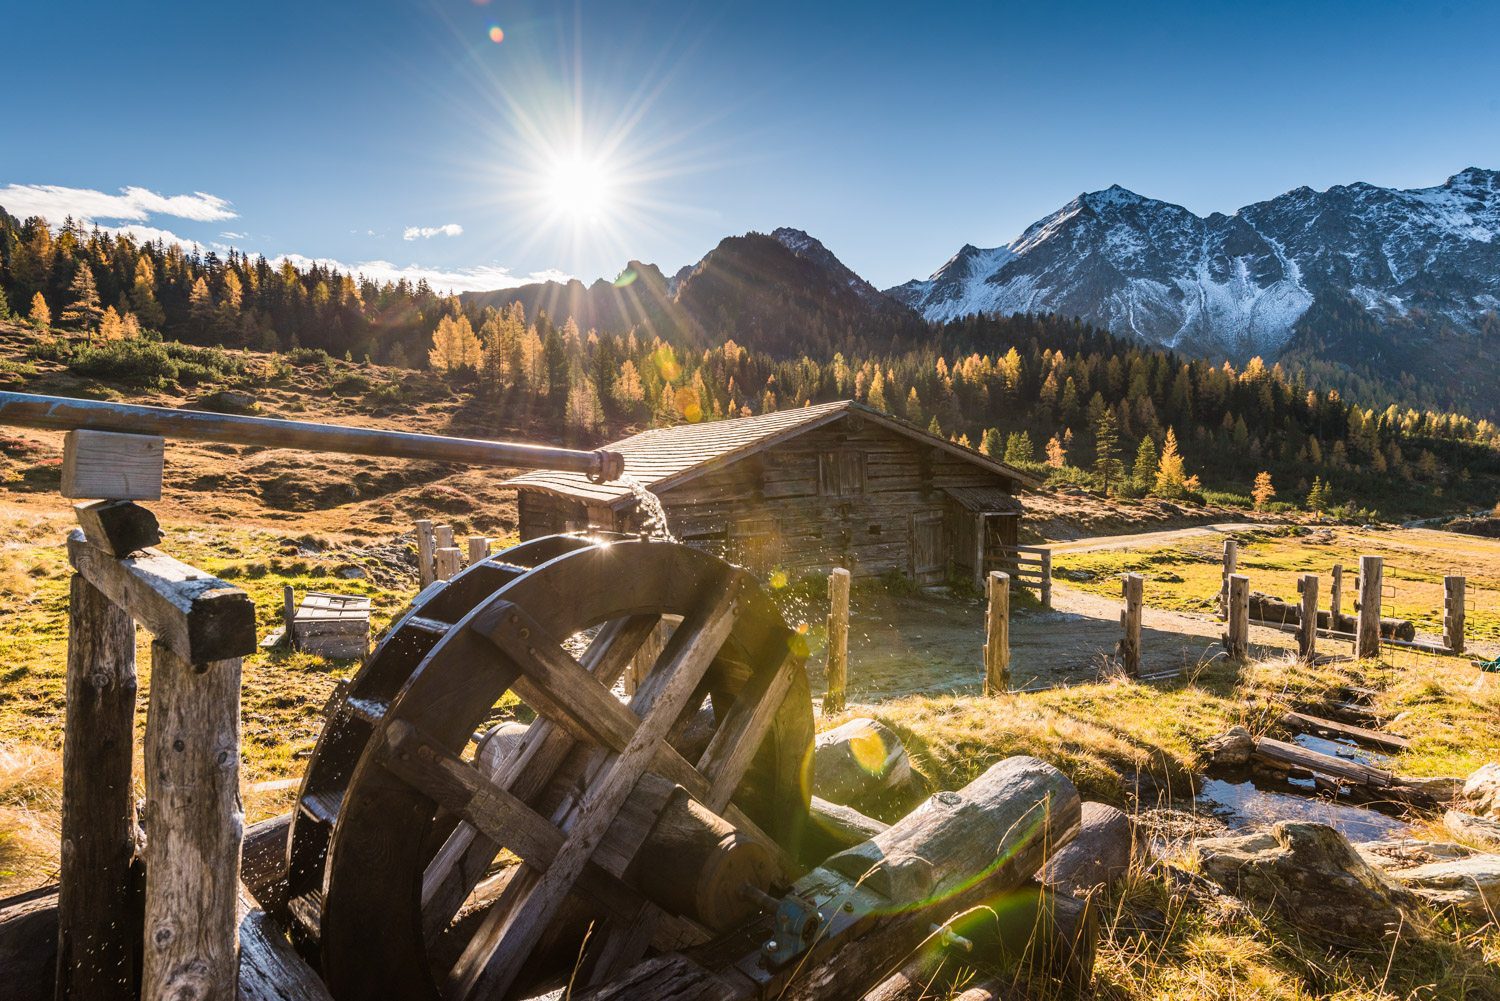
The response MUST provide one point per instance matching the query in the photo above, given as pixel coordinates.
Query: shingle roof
(664, 457)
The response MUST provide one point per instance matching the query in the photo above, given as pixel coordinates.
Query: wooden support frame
(201, 627)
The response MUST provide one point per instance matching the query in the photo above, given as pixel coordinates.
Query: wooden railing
(1028, 566)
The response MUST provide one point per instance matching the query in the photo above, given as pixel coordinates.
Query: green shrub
(352, 384)
(309, 356)
(1227, 498)
(147, 363)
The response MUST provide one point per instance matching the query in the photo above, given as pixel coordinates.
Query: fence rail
(1028, 566)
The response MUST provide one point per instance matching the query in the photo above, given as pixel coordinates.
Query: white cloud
(231, 235)
(482, 278)
(56, 202)
(428, 232)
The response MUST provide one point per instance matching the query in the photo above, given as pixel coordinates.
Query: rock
(862, 762)
(1481, 792)
(1230, 749)
(1471, 885)
(1312, 877)
(1100, 853)
(229, 401)
(350, 572)
(1482, 830)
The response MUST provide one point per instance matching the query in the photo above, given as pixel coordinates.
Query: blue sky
(399, 137)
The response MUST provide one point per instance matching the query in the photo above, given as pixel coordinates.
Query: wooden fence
(1028, 566)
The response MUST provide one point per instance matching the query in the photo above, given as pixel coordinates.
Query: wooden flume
(61, 413)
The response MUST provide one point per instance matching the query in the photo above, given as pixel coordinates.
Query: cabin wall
(541, 513)
(783, 507)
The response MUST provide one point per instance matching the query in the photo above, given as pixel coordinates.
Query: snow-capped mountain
(1235, 285)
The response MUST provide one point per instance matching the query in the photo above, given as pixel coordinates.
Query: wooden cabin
(839, 484)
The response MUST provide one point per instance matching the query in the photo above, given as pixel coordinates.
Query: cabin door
(929, 554)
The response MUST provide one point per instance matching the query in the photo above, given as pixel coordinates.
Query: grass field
(1185, 575)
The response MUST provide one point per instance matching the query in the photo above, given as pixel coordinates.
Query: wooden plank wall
(732, 511)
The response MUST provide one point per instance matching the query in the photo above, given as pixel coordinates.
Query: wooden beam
(1336, 597)
(198, 617)
(1046, 578)
(113, 466)
(997, 634)
(1305, 723)
(194, 826)
(117, 527)
(733, 746)
(838, 641)
(98, 907)
(446, 562)
(1290, 756)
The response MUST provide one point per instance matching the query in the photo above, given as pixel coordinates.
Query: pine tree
(5, 313)
(1143, 473)
(1263, 490)
(40, 316)
(913, 407)
(1018, 449)
(201, 308)
(1317, 497)
(582, 415)
(991, 444)
(627, 392)
(1171, 473)
(84, 312)
(1107, 464)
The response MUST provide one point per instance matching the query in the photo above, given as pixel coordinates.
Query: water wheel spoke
(730, 752)
(663, 697)
(466, 855)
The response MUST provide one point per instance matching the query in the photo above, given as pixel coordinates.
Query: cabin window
(841, 474)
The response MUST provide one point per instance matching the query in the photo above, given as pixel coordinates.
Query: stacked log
(1267, 608)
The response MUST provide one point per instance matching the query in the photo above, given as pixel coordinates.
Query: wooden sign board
(102, 464)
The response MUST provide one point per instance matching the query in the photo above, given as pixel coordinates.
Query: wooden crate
(334, 625)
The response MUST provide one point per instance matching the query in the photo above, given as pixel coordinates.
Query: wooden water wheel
(422, 865)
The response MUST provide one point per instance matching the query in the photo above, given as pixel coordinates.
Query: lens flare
(496, 35)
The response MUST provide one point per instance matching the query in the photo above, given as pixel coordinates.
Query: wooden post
(1336, 599)
(116, 466)
(978, 551)
(194, 825)
(838, 641)
(1367, 637)
(997, 635)
(425, 573)
(1134, 588)
(1307, 629)
(1231, 564)
(98, 924)
(1046, 578)
(479, 548)
(447, 561)
(289, 615)
(1237, 640)
(443, 534)
(1453, 613)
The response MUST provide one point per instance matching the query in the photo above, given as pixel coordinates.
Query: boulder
(1470, 885)
(1100, 853)
(1483, 831)
(1231, 749)
(1313, 877)
(1481, 792)
(862, 763)
(229, 401)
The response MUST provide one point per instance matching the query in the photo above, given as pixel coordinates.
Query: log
(194, 828)
(1305, 723)
(269, 968)
(446, 562)
(99, 930)
(836, 827)
(997, 634)
(479, 548)
(861, 761)
(1269, 610)
(198, 617)
(1307, 637)
(1288, 756)
(116, 466)
(443, 536)
(838, 640)
(959, 850)
(118, 527)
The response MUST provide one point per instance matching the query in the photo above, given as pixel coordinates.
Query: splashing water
(653, 514)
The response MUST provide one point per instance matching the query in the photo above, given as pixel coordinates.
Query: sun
(578, 186)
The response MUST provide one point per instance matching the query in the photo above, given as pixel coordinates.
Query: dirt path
(1146, 539)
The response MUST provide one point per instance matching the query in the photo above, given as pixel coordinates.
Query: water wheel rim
(384, 820)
